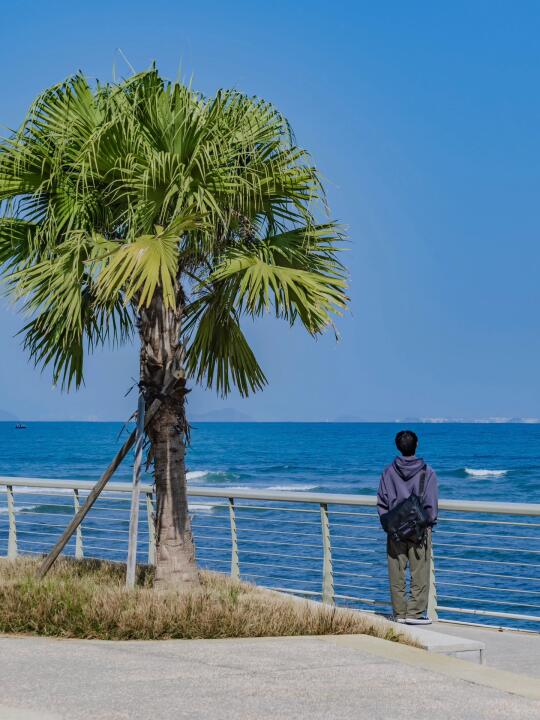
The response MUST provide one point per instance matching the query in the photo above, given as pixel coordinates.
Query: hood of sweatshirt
(408, 467)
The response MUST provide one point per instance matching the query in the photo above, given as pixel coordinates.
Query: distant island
(6, 416)
(222, 415)
(233, 415)
(482, 421)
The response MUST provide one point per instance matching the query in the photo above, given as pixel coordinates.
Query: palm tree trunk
(160, 359)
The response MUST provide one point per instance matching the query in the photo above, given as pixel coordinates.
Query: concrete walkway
(333, 678)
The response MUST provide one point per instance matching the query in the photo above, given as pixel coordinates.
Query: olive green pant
(418, 558)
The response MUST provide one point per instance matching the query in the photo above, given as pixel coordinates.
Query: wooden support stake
(135, 497)
(98, 487)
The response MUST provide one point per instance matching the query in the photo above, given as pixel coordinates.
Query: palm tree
(144, 207)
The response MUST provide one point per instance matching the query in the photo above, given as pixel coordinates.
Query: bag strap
(423, 482)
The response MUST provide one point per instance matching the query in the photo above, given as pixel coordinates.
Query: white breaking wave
(485, 473)
(22, 489)
(18, 508)
(247, 488)
(291, 488)
(200, 507)
(210, 475)
(196, 474)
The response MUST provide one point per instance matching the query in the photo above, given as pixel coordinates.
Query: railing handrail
(56, 484)
(339, 582)
(466, 506)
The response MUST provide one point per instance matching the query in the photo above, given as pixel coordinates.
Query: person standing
(409, 475)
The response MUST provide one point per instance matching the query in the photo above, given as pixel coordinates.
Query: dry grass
(87, 599)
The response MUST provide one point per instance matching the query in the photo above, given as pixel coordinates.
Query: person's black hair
(407, 442)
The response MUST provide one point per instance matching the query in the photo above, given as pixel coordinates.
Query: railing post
(12, 537)
(79, 551)
(432, 597)
(328, 572)
(235, 562)
(135, 497)
(151, 529)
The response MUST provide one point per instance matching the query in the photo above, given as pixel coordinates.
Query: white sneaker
(402, 621)
(417, 621)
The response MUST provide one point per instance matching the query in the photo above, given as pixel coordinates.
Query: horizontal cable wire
(238, 508)
(515, 523)
(260, 547)
(352, 562)
(352, 514)
(352, 587)
(486, 535)
(260, 531)
(492, 589)
(490, 613)
(239, 519)
(270, 542)
(367, 601)
(216, 549)
(362, 575)
(282, 579)
(285, 567)
(241, 551)
(311, 593)
(440, 558)
(443, 571)
(490, 602)
(487, 547)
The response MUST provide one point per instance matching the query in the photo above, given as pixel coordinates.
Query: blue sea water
(476, 461)
(478, 566)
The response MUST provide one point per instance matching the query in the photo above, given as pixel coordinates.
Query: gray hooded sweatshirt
(401, 478)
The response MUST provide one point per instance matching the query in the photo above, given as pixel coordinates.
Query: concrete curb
(452, 645)
(423, 636)
(523, 685)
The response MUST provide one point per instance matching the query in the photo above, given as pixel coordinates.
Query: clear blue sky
(425, 120)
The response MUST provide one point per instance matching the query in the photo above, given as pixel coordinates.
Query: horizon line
(254, 421)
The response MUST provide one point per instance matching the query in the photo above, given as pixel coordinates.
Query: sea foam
(291, 488)
(196, 474)
(19, 508)
(482, 472)
(201, 507)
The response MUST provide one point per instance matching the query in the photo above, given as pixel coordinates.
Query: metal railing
(326, 546)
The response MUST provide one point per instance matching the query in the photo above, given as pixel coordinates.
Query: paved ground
(266, 679)
(515, 651)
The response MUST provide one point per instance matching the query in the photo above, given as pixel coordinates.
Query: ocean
(495, 462)
(480, 462)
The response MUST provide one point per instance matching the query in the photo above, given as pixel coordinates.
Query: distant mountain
(349, 419)
(474, 420)
(222, 415)
(6, 416)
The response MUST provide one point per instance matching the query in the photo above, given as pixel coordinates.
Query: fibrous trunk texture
(161, 359)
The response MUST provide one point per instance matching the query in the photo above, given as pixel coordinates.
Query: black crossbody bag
(407, 521)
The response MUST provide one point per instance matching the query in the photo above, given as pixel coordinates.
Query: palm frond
(295, 273)
(60, 295)
(112, 193)
(16, 241)
(134, 270)
(218, 354)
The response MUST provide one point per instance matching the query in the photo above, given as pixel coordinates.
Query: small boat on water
(20, 426)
